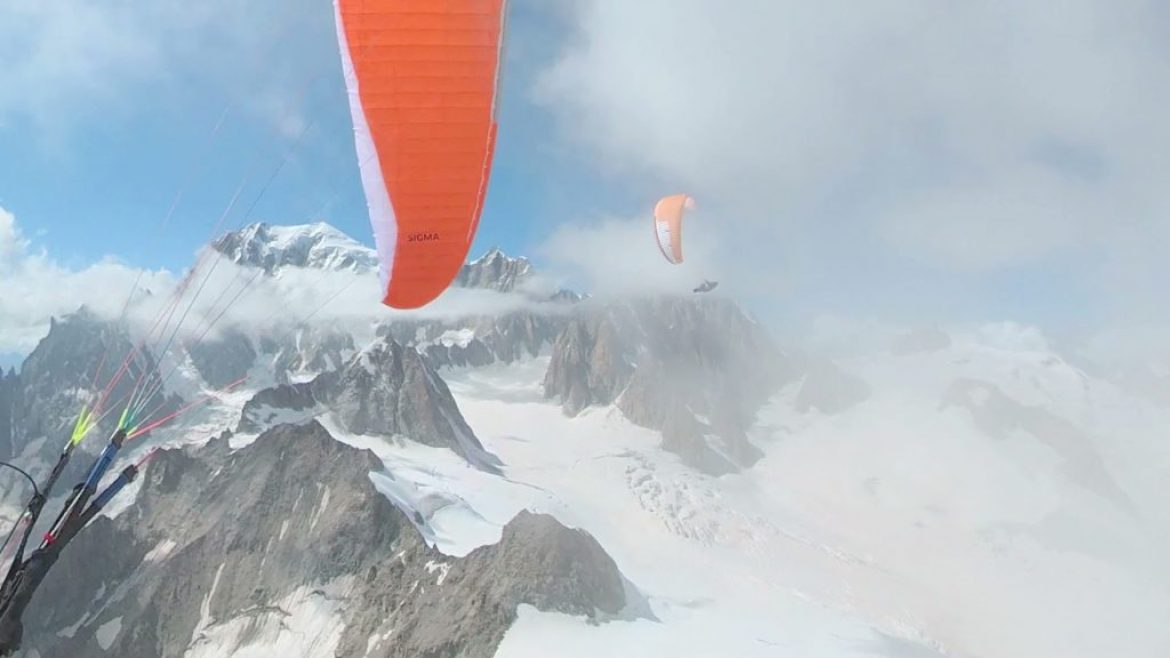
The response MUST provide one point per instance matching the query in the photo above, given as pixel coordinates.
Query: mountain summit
(318, 246)
(495, 270)
(321, 246)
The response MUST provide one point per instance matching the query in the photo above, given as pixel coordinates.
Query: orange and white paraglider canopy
(422, 77)
(668, 216)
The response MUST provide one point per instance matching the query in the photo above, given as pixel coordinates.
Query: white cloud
(348, 300)
(71, 61)
(34, 288)
(1013, 337)
(1017, 217)
(619, 256)
(967, 136)
(218, 294)
(59, 52)
(12, 243)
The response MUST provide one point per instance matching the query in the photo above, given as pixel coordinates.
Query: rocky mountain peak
(495, 270)
(318, 246)
(566, 296)
(478, 340)
(384, 390)
(321, 246)
(226, 551)
(56, 380)
(695, 369)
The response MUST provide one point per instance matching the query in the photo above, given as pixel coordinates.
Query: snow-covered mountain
(694, 368)
(651, 476)
(495, 270)
(318, 246)
(384, 390)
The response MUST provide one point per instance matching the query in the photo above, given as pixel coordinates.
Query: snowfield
(897, 528)
(705, 564)
(984, 500)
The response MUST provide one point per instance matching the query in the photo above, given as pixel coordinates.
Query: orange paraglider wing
(422, 77)
(668, 215)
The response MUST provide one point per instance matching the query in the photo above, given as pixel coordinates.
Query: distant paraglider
(422, 77)
(668, 216)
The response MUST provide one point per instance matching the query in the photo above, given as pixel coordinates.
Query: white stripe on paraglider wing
(382, 218)
(484, 179)
(662, 232)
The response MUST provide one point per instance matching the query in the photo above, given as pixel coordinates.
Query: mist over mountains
(651, 474)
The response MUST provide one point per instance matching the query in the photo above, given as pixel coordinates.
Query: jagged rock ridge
(479, 341)
(58, 378)
(385, 390)
(695, 369)
(467, 341)
(294, 355)
(321, 246)
(224, 549)
(495, 270)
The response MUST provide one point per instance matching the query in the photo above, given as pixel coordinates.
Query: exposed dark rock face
(472, 354)
(385, 390)
(284, 403)
(514, 336)
(222, 547)
(479, 341)
(591, 364)
(58, 379)
(389, 390)
(495, 271)
(306, 352)
(320, 352)
(223, 360)
(467, 605)
(695, 369)
(9, 398)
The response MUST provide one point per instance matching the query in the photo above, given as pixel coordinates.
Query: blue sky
(907, 162)
(102, 183)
